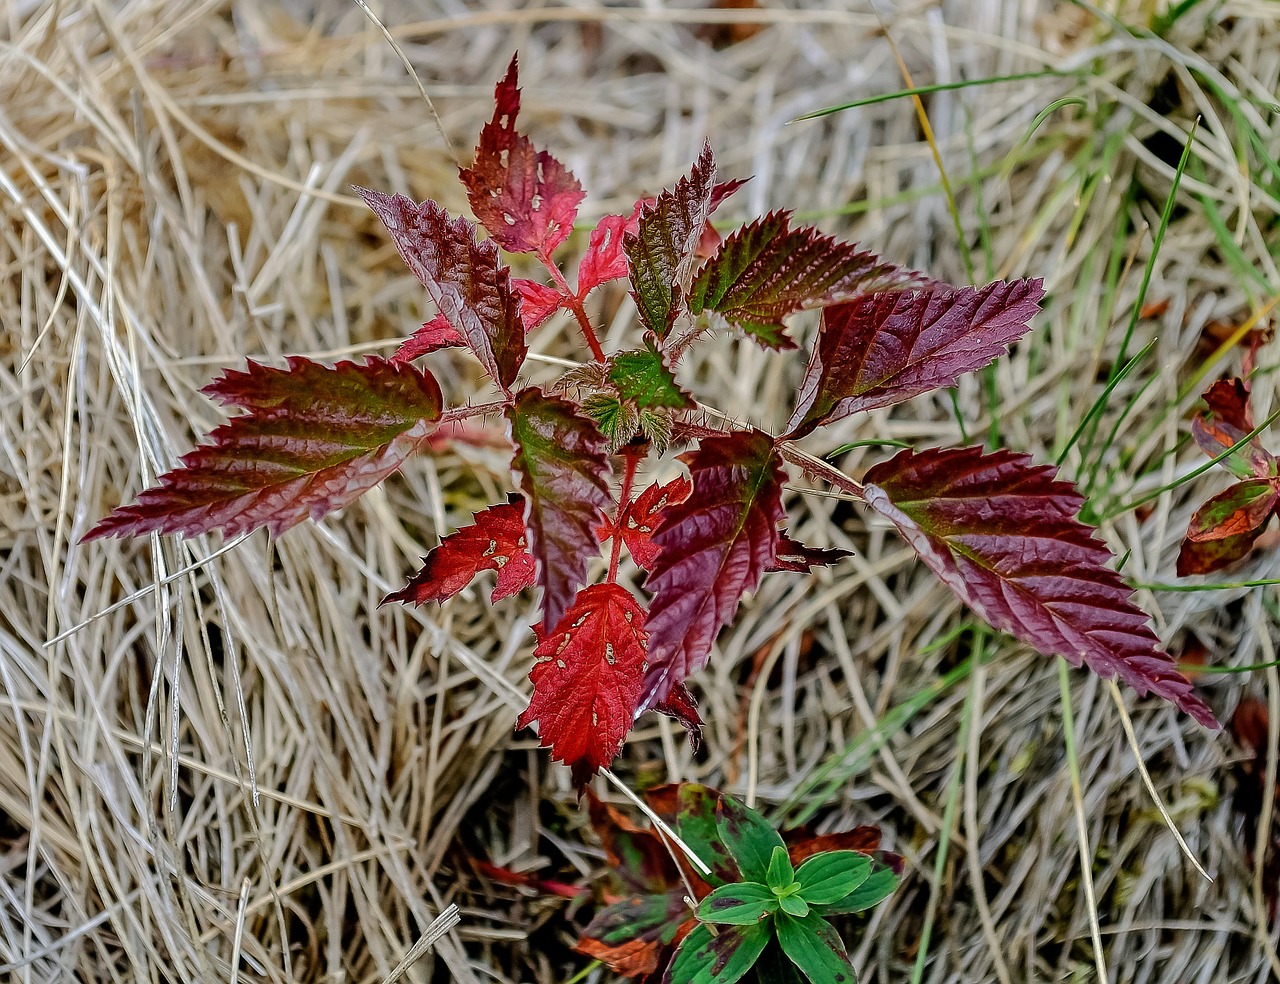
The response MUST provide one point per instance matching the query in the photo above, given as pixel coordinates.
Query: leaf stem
(575, 305)
(632, 458)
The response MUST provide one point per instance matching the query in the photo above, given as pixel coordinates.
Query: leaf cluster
(763, 906)
(1000, 531)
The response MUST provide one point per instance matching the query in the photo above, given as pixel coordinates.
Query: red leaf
(470, 285)
(525, 198)
(1001, 533)
(1228, 421)
(563, 470)
(538, 302)
(712, 549)
(1225, 528)
(605, 259)
(642, 517)
(884, 348)
(586, 683)
(436, 334)
(495, 542)
(661, 253)
(800, 559)
(766, 271)
(315, 439)
(680, 706)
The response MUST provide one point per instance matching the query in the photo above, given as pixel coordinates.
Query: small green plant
(763, 906)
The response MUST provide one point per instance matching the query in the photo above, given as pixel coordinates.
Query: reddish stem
(575, 305)
(632, 458)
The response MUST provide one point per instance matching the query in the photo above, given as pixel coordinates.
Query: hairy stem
(575, 306)
(632, 458)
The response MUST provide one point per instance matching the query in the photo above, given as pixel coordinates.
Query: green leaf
(660, 255)
(740, 904)
(618, 421)
(880, 884)
(829, 877)
(766, 271)
(643, 378)
(720, 959)
(696, 823)
(748, 836)
(780, 874)
(794, 905)
(815, 948)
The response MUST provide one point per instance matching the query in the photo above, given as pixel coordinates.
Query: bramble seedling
(998, 530)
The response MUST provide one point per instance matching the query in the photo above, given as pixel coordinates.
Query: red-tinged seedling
(1000, 531)
(764, 903)
(1225, 528)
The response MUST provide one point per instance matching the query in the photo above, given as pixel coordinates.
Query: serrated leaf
(643, 378)
(748, 837)
(1001, 533)
(657, 426)
(680, 706)
(315, 438)
(721, 959)
(560, 457)
(1225, 528)
(469, 284)
(630, 935)
(643, 515)
(878, 886)
(525, 198)
(605, 258)
(767, 270)
(436, 334)
(740, 904)
(661, 254)
(494, 542)
(1227, 422)
(815, 948)
(586, 683)
(618, 421)
(538, 302)
(828, 877)
(712, 549)
(887, 347)
(800, 559)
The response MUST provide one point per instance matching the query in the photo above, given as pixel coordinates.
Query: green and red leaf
(1228, 421)
(720, 959)
(1225, 528)
(560, 457)
(631, 935)
(525, 198)
(586, 683)
(767, 270)
(661, 253)
(466, 279)
(887, 347)
(315, 438)
(748, 837)
(738, 904)
(712, 549)
(494, 542)
(1001, 533)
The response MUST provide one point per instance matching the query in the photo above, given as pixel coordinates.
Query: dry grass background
(223, 762)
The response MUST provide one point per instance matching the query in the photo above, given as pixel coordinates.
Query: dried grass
(211, 752)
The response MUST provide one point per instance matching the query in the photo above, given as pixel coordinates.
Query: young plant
(1224, 529)
(998, 530)
(764, 904)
